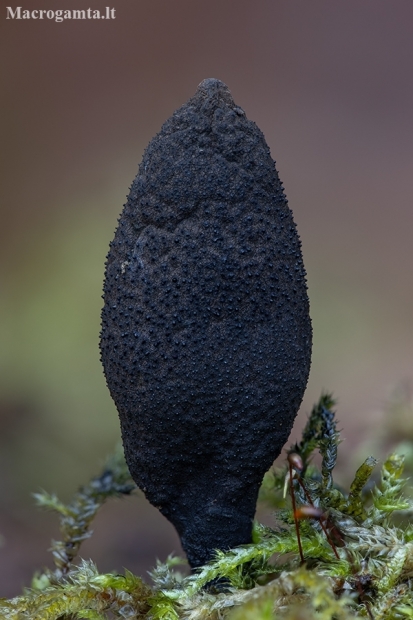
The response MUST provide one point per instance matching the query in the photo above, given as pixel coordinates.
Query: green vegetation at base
(358, 558)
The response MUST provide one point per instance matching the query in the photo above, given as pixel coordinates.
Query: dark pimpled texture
(206, 335)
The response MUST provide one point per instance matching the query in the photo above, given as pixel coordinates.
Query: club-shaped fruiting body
(206, 335)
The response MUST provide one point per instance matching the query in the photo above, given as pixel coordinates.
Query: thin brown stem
(297, 527)
(329, 540)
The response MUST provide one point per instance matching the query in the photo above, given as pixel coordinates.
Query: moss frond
(83, 594)
(387, 497)
(77, 516)
(355, 503)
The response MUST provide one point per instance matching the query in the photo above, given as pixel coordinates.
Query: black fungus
(206, 334)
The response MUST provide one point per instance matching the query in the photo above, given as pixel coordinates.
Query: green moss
(358, 558)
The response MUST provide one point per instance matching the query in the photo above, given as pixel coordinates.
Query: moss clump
(358, 559)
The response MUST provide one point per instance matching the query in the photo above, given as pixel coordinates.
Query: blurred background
(330, 85)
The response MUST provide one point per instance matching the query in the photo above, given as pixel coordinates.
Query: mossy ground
(357, 547)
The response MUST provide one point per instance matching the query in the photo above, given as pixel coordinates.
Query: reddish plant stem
(330, 542)
(297, 527)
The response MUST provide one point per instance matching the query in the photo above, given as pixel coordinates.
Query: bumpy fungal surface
(206, 334)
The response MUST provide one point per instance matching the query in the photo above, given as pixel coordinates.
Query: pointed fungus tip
(213, 88)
